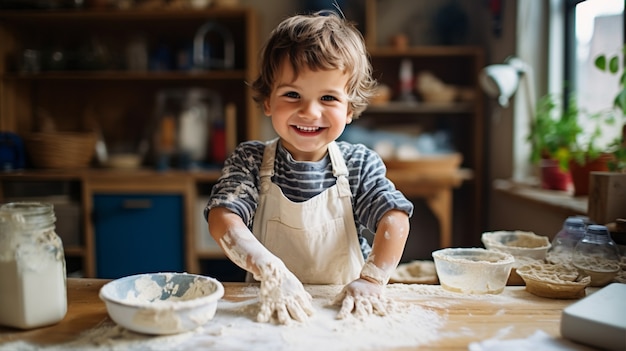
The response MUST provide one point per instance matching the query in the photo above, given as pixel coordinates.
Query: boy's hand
(363, 298)
(283, 294)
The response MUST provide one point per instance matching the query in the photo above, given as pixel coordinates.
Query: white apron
(316, 239)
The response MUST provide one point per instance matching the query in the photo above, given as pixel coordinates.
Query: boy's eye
(328, 98)
(292, 94)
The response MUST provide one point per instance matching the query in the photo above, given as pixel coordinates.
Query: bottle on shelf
(597, 255)
(405, 77)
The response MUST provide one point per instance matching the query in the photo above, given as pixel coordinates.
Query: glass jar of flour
(597, 256)
(32, 266)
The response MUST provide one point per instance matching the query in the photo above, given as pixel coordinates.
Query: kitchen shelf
(125, 75)
(122, 100)
(204, 254)
(113, 175)
(425, 51)
(74, 251)
(89, 15)
(421, 108)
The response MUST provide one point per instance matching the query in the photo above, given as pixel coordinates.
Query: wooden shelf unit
(122, 99)
(23, 95)
(464, 120)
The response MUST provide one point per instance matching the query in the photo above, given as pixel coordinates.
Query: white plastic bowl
(473, 270)
(162, 303)
(517, 243)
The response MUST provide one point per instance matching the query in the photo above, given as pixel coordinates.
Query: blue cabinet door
(138, 234)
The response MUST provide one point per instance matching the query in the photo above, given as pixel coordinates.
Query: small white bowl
(518, 243)
(162, 303)
(473, 270)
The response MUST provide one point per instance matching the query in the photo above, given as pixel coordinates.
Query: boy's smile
(308, 111)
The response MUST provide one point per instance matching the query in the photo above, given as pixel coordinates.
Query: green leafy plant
(586, 147)
(553, 131)
(557, 133)
(611, 64)
(618, 150)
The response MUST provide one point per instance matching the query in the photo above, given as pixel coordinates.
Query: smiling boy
(293, 210)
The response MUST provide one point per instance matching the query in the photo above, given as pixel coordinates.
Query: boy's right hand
(281, 292)
(283, 295)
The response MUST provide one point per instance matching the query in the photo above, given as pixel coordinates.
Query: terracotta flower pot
(553, 177)
(582, 173)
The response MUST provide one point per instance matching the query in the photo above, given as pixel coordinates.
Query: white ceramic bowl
(517, 243)
(162, 303)
(473, 270)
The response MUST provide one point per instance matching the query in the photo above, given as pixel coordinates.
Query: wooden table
(514, 314)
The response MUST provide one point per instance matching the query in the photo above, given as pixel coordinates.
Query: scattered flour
(234, 327)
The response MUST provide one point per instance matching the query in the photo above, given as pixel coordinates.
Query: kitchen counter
(426, 317)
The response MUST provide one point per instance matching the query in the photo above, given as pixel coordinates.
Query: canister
(32, 266)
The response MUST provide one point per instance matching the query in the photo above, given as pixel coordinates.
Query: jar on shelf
(597, 255)
(563, 244)
(32, 266)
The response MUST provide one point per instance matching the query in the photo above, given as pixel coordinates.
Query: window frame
(569, 59)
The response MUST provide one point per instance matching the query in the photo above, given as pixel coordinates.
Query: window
(563, 62)
(593, 27)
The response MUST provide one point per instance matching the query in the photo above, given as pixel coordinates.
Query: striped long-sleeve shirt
(372, 193)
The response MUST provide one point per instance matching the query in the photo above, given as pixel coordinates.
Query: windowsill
(550, 199)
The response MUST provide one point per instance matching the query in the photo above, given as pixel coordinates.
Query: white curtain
(537, 49)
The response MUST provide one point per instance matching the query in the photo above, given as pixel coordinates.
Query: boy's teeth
(307, 129)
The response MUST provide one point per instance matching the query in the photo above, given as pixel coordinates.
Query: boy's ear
(349, 116)
(267, 108)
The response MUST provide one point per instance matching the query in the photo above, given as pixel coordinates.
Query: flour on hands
(282, 294)
(363, 298)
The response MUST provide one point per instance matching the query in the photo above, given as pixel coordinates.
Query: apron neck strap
(267, 166)
(339, 165)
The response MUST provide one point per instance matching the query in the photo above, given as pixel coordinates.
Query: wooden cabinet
(455, 199)
(71, 67)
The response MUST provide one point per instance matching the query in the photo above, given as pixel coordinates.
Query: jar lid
(29, 213)
(575, 222)
(597, 229)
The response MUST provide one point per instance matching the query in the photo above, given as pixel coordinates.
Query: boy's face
(308, 112)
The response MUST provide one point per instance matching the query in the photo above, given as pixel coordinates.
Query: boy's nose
(310, 109)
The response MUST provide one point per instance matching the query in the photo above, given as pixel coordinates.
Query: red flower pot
(553, 177)
(581, 174)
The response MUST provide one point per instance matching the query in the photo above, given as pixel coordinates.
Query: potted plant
(566, 152)
(552, 132)
(587, 155)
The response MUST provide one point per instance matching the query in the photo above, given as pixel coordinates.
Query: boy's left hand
(363, 298)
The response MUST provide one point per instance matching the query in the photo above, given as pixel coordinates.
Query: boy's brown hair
(319, 41)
